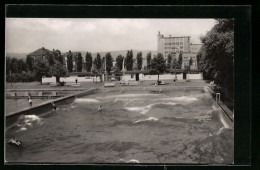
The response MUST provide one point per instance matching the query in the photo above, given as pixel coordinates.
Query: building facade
(175, 45)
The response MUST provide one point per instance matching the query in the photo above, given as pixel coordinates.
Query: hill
(17, 55)
(114, 54)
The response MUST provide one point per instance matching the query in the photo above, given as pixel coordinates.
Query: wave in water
(28, 120)
(182, 98)
(150, 119)
(128, 96)
(86, 100)
(145, 109)
(130, 161)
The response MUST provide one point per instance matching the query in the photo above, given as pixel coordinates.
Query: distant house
(41, 53)
(44, 54)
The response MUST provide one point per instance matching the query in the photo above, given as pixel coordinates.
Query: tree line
(33, 69)
(216, 56)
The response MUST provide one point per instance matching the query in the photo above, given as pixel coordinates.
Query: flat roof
(177, 37)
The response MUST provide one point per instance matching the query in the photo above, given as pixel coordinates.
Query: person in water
(53, 105)
(14, 141)
(100, 108)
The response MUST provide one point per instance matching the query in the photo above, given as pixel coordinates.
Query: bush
(20, 77)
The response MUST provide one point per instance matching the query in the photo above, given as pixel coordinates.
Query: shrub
(20, 77)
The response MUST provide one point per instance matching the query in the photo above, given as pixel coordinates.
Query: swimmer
(100, 108)
(14, 142)
(53, 105)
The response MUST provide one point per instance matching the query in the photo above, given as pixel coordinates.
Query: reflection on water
(134, 127)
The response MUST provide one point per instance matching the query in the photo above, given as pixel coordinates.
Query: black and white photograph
(119, 90)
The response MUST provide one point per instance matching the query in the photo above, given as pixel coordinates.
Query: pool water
(171, 126)
(13, 105)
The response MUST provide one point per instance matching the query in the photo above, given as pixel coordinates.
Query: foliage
(97, 62)
(217, 53)
(20, 77)
(190, 61)
(129, 60)
(169, 60)
(29, 63)
(57, 56)
(94, 70)
(186, 68)
(14, 65)
(148, 59)
(50, 60)
(69, 62)
(40, 69)
(58, 70)
(109, 62)
(139, 60)
(158, 65)
(119, 62)
(88, 61)
(180, 60)
(175, 63)
(79, 63)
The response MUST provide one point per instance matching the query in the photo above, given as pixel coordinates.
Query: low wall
(11, 118)
(70, 79)
(162, 77)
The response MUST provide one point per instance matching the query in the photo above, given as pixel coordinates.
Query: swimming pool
(151, 126)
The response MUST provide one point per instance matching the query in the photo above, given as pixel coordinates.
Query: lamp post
(105, 69)
(123, 67)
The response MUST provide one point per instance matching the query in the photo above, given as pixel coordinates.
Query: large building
(175, 45)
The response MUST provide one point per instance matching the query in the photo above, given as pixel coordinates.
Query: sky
(25, 35)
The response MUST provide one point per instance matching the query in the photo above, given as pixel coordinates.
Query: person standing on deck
(30, 100)
(175, 79)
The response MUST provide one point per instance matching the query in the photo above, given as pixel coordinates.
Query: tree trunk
(57, 79)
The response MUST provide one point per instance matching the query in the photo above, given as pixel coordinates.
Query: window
(181, 43)
(181, 47)
(173, 43)
(177, 43)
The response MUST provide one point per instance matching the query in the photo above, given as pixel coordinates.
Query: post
(217, 97)
(105, 68)
(123, 67)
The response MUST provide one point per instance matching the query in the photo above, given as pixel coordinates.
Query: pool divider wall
(225, 116)
(11, 119)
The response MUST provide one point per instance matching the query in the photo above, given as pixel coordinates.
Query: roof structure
(40, 52)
